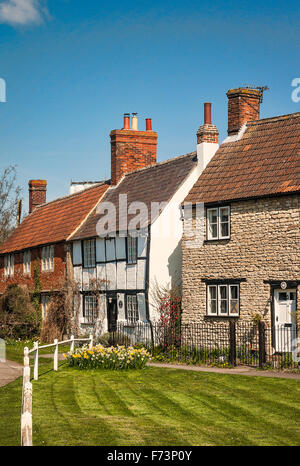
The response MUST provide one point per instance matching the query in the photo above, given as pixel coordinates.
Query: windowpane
(234, 307)
(224, 214)
(131, 250)
(224, 229)
(212, 220)
(89, 253)
(212, 299)
(212, 215)
(132, 309)
(234, 292)
(90, 313)
(223, 299)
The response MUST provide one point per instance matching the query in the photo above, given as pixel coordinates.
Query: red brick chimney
(37, 193)
(207, 132)
(243, 106)
(131, 149)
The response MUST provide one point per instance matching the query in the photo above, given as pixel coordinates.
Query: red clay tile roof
(265, 161)
(156, 183)
(54, 221)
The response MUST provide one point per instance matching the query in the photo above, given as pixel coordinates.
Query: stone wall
(264, 245)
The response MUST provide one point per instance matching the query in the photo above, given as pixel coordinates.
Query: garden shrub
(18, 317)
(113, 357)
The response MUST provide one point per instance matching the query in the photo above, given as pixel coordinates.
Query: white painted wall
(166, 232)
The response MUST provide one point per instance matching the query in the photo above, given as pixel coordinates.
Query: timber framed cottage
(246, 261)
(62, 239)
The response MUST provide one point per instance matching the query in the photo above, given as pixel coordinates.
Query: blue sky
(73, 67)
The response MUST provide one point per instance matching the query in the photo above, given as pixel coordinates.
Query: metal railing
(232, 343)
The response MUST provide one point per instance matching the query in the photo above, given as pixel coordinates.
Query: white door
(285, 320)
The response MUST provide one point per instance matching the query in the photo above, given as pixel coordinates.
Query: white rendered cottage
(144, 199)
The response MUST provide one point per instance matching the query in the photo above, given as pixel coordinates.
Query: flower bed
(114, 357)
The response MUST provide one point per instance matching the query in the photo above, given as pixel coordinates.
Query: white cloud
(22, 12)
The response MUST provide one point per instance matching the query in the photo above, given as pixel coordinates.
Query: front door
(112, 314)
(285, 319)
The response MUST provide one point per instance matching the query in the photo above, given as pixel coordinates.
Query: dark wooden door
(112, 314)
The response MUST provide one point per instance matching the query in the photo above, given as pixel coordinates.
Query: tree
(10, 193)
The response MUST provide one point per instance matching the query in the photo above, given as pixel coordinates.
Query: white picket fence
(26, 412)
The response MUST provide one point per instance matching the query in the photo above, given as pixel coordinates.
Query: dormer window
(9, 261)
(218, 223)
(26, 262)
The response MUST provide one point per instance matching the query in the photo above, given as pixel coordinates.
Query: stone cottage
(244, 260)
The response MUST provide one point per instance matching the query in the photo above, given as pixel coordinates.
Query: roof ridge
(72, 195)
(163, 162)
(275, 118)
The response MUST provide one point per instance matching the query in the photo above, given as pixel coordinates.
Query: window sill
(217, 316)
(216, 240)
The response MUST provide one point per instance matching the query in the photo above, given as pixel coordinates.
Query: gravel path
(9, 371)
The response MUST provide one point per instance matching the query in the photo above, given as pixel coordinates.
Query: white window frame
(218, 299)
(90, 308)
(131, 250)
(48, 258)
(89, 253)
(9, 265)
(26, 262)
(218, 223)
(132, 311)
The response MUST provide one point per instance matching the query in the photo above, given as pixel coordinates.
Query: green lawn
(154, 406)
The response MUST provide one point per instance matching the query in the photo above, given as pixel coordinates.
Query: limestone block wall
(264, 245)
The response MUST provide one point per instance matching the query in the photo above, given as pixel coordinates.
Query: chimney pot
(126, 121)
(148, 124)
(207, 113)
(134, 122)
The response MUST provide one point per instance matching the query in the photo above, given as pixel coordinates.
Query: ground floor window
(45, 306)
(132, 314)
(90, 309)
(223, 300)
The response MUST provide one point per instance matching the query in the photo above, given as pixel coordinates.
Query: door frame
(113, 297)
(275, 285)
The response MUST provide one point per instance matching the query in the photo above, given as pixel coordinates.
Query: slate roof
(54, 221)
(265, 161)
(157, 183)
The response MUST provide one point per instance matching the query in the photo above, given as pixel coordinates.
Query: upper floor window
(26, 262)
(223, 300)
(9, 265)
(89, 253)
(132, 309)
(218, 223)
(48, 258)
(131, 250)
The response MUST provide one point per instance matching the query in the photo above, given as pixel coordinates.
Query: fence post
(262, 343)
(26, 417)
(232, 343)
(56, 354)
(26, 357)
(36, 360)
(72, 344)
(91, 341)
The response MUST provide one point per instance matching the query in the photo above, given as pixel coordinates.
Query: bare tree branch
(10, 193)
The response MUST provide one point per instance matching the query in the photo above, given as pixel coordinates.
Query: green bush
(18, 317)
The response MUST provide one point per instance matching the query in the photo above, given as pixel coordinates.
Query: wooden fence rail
(26, 411)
